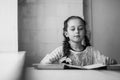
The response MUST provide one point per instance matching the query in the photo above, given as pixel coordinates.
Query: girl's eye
(72, 29)
(80, 28)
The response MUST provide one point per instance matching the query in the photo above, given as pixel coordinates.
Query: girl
(76, 49)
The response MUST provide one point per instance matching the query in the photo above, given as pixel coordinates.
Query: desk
(34, 74)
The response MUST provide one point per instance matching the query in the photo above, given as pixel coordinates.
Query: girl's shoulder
(92, 49)
(58, 50)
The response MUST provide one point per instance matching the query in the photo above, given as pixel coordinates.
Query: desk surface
(34, 74)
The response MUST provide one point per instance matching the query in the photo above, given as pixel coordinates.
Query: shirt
(87, 57)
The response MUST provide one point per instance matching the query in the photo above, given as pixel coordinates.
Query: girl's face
(75, 30)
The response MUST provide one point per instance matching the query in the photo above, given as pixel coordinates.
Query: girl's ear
(66, 34)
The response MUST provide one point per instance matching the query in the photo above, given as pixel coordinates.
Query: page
(68, 66)
(48, 66)
(93, 66)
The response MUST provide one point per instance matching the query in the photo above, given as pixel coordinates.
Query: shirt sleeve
(102, 59)
(54, 56)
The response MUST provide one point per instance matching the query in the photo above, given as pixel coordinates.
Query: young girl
(76, 49)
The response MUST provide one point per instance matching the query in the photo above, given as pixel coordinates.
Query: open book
(68, 66)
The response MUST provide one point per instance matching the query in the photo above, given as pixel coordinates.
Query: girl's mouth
(77, 36)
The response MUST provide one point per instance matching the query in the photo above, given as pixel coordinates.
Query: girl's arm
(100, 58)
(53, 56)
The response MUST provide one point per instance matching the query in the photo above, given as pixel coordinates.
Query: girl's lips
(77, 36)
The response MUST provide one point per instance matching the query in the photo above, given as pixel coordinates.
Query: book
(68, 66)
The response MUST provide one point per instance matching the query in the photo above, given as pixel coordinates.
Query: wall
(40, 24)
(106, 26)
(8, 26)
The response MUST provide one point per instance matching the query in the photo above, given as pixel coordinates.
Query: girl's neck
(76, 46)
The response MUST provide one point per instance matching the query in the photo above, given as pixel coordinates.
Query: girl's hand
(110, 61)
(66, 60)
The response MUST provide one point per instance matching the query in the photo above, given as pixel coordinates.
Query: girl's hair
(66, 45)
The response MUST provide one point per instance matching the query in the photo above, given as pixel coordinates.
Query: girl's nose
(76, 31)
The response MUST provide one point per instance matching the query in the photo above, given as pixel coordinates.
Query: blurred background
(40, 24)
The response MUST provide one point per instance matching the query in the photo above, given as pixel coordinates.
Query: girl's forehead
(75, 21)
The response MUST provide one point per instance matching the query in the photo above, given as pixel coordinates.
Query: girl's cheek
(82, 33)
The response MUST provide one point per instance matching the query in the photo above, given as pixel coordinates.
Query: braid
(66, 48)
(87, 41)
